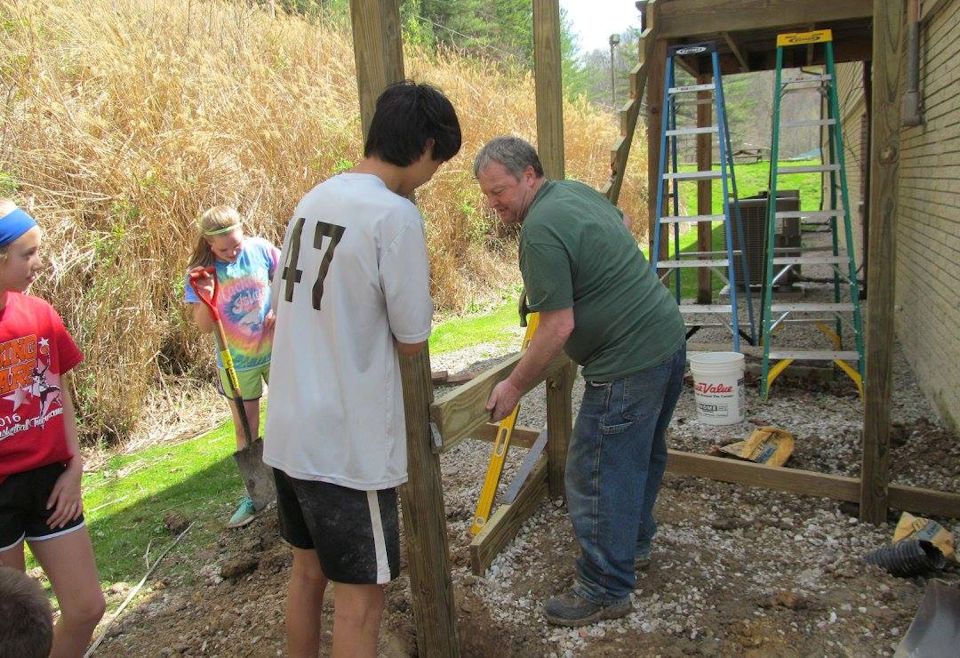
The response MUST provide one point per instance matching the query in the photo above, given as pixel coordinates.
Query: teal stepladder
(668, 189)
(779, 262)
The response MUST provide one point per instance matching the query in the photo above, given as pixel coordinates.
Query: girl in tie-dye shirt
(245, 266)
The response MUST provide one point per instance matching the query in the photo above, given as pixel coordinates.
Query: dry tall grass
(122, 119)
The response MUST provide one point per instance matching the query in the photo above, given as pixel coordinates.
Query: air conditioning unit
(753, 214)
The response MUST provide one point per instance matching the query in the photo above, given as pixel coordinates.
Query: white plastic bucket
(718, 387)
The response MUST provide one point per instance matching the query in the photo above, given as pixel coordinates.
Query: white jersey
(353, 275)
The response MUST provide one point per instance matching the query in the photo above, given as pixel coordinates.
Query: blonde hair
(215, 221)
(7, 206)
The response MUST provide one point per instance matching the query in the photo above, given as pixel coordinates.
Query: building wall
(928, 235)
(928, 214)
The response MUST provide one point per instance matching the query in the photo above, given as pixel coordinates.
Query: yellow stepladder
(500, 446)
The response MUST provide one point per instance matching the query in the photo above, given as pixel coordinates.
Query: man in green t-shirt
(601, 302)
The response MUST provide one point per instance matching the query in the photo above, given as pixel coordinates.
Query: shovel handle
(210, 302)
(225, 358)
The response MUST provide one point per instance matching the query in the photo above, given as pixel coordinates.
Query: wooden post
(655, 81)
(888, 51)
(559, 425)
(378, 48)
(424, 518)
(378, 51)
(865, 237)
(549, 86)
(704, 191)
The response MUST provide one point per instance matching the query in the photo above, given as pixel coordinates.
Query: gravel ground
(736, 571)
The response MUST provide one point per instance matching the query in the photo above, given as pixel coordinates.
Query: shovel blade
(257, 476)
(935, 630)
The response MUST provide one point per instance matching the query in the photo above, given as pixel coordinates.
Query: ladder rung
(824, 77)
(702, 130)
(793, 251)
(815, 355)
(692, 219)
(810, 307)
(705, 308)
(692, 175)
(675, 264)
(803, 123)
(785, 171)
(818, 214)
(687, 89)
(809, 260)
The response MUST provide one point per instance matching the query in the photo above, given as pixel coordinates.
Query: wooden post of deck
(549, 86)
(378, 50)
(559, 425)
(705, 191)
(424, 518)
(655, 80)
(888, 51)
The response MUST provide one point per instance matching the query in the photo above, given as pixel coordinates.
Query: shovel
(935, 630)
(257, 476)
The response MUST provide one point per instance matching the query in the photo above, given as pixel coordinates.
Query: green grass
(127, 501)
(499, 326)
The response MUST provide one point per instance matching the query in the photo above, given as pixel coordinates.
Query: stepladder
(832, 318)
(678, 266)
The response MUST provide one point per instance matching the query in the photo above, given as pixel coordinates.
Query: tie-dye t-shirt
(244, 302)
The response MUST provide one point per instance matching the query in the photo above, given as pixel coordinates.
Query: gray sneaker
(571, 609)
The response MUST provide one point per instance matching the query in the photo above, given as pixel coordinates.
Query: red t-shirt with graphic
(35, 351)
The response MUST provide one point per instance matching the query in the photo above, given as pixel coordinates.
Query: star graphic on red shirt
(18, 397)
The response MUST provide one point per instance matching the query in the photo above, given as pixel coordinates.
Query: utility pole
(614, 40)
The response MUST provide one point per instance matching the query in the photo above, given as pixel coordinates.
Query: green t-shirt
(575, 251)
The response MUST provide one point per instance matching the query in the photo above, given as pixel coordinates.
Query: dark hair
(407, 115)
(513, 153)
(26, 620)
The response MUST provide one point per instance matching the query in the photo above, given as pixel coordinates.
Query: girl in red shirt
(40, 461)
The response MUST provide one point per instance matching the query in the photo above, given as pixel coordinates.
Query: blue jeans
(615, 463)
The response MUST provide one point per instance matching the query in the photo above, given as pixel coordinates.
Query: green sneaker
(643, 561)
(245, 514)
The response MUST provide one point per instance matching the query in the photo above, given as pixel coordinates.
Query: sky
(595, 20)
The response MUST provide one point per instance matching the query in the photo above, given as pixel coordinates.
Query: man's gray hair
(513, 153)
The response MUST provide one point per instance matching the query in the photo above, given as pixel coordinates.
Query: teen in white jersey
(353, 290)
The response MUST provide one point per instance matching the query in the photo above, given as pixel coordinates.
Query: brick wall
(928, 235)
(928, 215)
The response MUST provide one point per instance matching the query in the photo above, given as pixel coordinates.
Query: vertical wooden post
(865, 237)
(377, 49)
(888, 51)
(655, 79)
(704, 191)
(559, 425)
(424, 518)
(549, 86)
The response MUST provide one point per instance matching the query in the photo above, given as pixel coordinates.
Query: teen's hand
(203, 279)
(65, 500)
(269, 322)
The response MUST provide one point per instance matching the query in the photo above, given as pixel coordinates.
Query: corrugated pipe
(912, 114)
(909, 557)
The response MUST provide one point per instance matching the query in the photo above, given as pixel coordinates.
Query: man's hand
(503, 399)
(65, 498)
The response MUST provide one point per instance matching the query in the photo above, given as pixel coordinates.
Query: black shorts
(23, 507)
(355, 533)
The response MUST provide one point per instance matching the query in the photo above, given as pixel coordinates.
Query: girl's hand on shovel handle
(203, 279)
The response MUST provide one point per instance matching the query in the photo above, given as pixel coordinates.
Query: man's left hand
(503, 399)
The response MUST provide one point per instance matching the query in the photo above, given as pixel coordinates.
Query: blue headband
(13, 225)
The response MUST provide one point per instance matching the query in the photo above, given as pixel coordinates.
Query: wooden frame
(379, 58)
